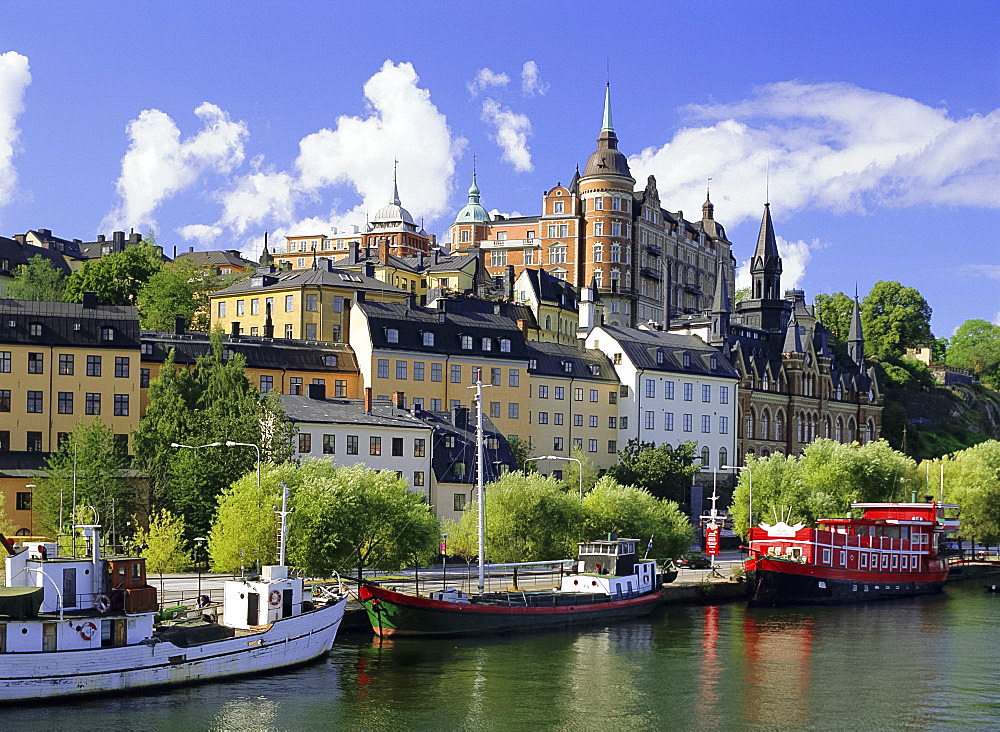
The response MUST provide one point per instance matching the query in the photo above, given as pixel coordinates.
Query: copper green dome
(473, 212)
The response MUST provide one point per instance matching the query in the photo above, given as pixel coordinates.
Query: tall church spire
(395, 188)
(765, 267)
(721, 307)
(607, 109)
(855, 338)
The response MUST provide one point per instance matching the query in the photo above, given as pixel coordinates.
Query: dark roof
(16, 254)
(550, 359)
(461, 317)
(660, 351)
(322, 277)
(416, 265)
(461, 425)
(218, 258)
(301, 408)
(261, 353)
(68, 324)
(22, 464)
(551, 289)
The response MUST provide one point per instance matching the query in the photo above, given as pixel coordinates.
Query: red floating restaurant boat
(893, 550)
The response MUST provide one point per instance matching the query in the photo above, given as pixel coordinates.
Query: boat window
(895, 561)
(906, 560)
(874, 560)
(843, 557)
(826, 556)
(864, 561)
(904, 532)
(914, 563)
(885, 561)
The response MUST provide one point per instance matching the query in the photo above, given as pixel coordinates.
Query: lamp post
(198, 542)
(750, 474)
(560, 457)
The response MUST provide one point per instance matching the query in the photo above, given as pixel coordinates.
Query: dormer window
(329, 360)
(687, 360)
(713, 362)
(147, 349)
(35, 329)
(532, 363)
(107, 334)
(392, 335)
(487, 344)
(659, 357)
(568, 367)
(505, 345)
(428, 338)
(466, 343)
(595, 369)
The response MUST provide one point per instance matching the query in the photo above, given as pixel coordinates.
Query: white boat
(72, 626)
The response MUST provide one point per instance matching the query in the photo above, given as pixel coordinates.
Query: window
(612, 397)
(107, 334)
(65, 402)
(649, 420)
(23, 501)
(329, 444)
(706, 423)
(93, 403)
(591, 445)
(266, 383)
(435, 405)
(311, 331)
(239, 307)
(352, 444)
(392, 335)
(688, 422)
(121, 405)
(340, 388)
(222, 309)
(418, 370)
(5, 362)
(557, 418)
(255, 306)
(456, 374)
(512, 410)
(418, 478)
(593, 420)
(495, 377)
(435, 372)
(723, 425)
(513, 377)
(295, 385)
(338, 304)
(466, 343)
(34, 442)
(121, 367)
(578, 420)
(505, 345)
(688, 392)
(599, 203)
(598, 229)
(568, 367)
(557, 443)
(623, 422)
(383, 368)
(668, 421)
(428, 338)
(578, 394)
(401, 369)
(650, 388)
(668, 389)
(563, 233)
(289, 303)
(706, 457)
(613, 423)
(375, 446)
(288, 331)
(34, 402)
(560, 392)
(312, 303)
(723, 457)
(335, 333)
(35, 329)
(706, 392)
(543, 418)
(36, 363)
(66, 364)
(594, 395)
(494, 409)
(5, 400)
(723, 395)
(543, 392)
(397, 447)
(419, 447)
(305, 442)
(460, 497)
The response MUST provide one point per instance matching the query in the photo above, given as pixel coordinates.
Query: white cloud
(833, 146)
(512, 132)
(991, 271)
(159, 164)
(795, 255)
(531, 82)
(204, 234)
(14, 80)
(494, 212)
(485, 78)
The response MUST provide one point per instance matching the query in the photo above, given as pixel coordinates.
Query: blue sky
(211, 122)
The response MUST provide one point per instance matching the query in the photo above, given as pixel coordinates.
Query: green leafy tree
(354, 517)
(972, 480)
(894, 318)
(37, 280)
(178, 288)
(463, 539)
(529, 518)
(836, 310)
(976, 347)
(663, 471)
(100, 480)
(571, 474)
(163, 545)
(742, 293)
(632, 512)
(117, 278)
(522, 451)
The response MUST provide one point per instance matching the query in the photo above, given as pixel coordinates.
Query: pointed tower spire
(793, 339)
(395, 188)
(607, 109)
(265, 255)
(721, 307)
(765, 267)
(855, 338)
(708, 208)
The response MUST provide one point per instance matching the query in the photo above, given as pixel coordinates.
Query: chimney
(352, 249)
(368, 400)
(369, 269)
(383, 249)
(234, 328)
(89, 299)
(496, 308)
(190, 250)
(175, 251)
(178, 325)
(437, 255)
(420, 260)
(100, 238)
(522, 325)
(359, 296)
(460, 417)
(317, 391)
(268, 324)
(399, 399)
(119, 239)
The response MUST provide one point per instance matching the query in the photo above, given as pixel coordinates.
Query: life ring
(102, 603)
(274, 598)
(87, 631)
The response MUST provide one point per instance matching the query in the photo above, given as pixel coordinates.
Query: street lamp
(750, 474)
(198, 541)
(560, 457)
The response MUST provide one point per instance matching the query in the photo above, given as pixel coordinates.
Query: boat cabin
(252, 604)
(616, 557)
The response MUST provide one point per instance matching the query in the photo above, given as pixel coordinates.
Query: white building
(678, 388)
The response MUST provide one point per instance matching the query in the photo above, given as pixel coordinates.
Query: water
(925, 662)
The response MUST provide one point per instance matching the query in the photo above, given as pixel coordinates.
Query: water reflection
(777, 653)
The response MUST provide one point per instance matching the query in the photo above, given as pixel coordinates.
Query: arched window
(838, 433)
(548, 322)
(851, 429)
(723, 457)
(765, 424)
(802, 427)
(750, 425)
(869, 431)
(765, 382)
(706, 457)
(763, 453)
(598, 252)
(826, 428)
(779, 426)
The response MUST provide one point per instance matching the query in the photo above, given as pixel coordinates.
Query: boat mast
(479, 478)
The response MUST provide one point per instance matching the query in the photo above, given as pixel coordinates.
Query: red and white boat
(893, 550)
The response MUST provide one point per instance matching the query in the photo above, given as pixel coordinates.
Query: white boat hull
(48, 674)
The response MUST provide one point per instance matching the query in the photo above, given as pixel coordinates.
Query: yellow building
(430, 356)
(62, 363)
(574, 403)
(309, 304)
(554, 304)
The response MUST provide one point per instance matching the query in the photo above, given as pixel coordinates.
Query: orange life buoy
(274, 598)
(87, 631)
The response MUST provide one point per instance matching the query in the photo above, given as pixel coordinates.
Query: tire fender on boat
(274, 598)
(102, 603)
(87, 631)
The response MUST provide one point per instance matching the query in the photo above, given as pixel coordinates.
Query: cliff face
(937, 419)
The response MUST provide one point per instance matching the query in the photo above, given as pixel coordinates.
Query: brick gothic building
(599, 231)
(793, 389)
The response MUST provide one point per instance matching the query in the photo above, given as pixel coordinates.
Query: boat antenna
(479, 477)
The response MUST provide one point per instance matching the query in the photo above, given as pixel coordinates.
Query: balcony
(654, 274)
(654, 250)
(502, 243)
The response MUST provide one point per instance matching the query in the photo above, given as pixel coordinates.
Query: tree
(100, 480)
(632, 512)
(116, 278)
(163, 545)
(976, 347)
(37, 280)
(522, 451)
(663, 471)
(571, 475)
(178, 288)
(742, 293)
(894, 318)
(530, 517)
(836, 311)
(354, 517)
(972, 480)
